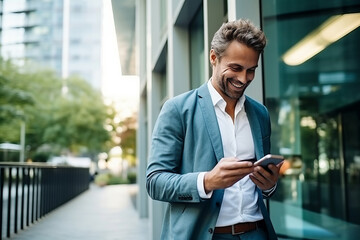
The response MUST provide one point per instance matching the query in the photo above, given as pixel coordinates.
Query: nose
(242, 77)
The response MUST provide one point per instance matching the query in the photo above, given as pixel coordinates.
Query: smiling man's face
(234, 71)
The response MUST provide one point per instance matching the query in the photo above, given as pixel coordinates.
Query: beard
(236, 90)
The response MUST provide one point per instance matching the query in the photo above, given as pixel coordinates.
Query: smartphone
(268, 159)
(248, 160)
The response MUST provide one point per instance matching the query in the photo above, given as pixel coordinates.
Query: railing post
(28, 198)
(33, 195)
(9, 204)
(42, 193)
(1, 199)
(37, 194)
(22, 198)
(16, 200)
(42, 189)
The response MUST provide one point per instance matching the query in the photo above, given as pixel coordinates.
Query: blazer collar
(210, 120)
(255, 128)
(212, 126)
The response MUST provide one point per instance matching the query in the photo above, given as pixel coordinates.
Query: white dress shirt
(240, 200)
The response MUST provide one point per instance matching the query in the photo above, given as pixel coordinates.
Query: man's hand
(266, 179)
(227, 172)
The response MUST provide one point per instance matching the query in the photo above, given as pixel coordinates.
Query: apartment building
(63, 35)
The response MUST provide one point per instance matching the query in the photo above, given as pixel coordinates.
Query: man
(203, 144)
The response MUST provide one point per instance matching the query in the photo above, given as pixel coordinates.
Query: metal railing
(28, 191)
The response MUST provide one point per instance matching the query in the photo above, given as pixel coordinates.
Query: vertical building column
(142, 198)
(156, 208)
(178, 56)
(249, 10)
(213, 19)
(141, 138)
(154, 101)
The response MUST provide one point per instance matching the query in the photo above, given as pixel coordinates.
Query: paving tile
(101, 213)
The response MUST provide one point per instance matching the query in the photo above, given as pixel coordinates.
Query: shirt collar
(219, 101)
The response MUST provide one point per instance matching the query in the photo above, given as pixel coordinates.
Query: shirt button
(210, 230)
(217, 204)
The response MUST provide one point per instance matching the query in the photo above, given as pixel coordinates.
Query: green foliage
(110, 179)
(13, 101)
(126, 131)
(72, 122)
(41, 157)
(77, 119)
(132, 177)
(117, 180)
(58, 123)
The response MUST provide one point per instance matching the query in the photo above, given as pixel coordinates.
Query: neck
(230, 108)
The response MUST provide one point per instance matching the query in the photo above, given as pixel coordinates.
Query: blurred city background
(65, 97)
(82, 83)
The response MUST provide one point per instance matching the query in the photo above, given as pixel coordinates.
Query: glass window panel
(163, 87)
(313, 102)
(13, 51)
(163, 16)
(196, 30)
(12, 36)
(14, 20)
(14, 5)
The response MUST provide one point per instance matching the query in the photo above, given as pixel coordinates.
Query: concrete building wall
(164, 68)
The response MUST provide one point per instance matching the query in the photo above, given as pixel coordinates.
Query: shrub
(110, 179)
(132, 177)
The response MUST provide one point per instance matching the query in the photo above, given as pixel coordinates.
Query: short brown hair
(241, 30)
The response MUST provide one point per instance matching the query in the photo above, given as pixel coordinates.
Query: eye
(236, 68)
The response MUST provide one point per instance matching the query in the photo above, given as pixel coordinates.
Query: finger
(229, 159)
(254, 179)
(257, 182)
(274, 169)
(238, 173)
(258, 176)
(262, 183)
(264, 177)
(264, 172)
(243, 164)
(236, 166)
(272, 172)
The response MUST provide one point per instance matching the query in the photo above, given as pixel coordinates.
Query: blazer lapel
(212, 126)
(210, 120)
(255, 129)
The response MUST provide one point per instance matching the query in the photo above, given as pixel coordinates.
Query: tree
(128, 139)
(77, 119)
(13, 101)
(123, 133)
(55, 122)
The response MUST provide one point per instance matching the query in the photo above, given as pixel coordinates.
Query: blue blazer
(186, 140)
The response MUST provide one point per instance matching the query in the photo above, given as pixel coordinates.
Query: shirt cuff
(269, 191)
(200, 186)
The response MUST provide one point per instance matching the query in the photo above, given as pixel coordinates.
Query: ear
(213, 57)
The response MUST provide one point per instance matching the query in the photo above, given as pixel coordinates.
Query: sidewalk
(101, 213)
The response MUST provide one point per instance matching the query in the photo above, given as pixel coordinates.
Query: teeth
(235, 85)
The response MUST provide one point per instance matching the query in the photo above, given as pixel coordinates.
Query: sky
(122, 89)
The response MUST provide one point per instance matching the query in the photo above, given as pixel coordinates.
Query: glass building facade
(32, 30)
(64, 35)
(309, 79)
(312, 83)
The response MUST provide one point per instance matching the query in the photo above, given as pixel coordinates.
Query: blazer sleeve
(164, 181)
(267, 145)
